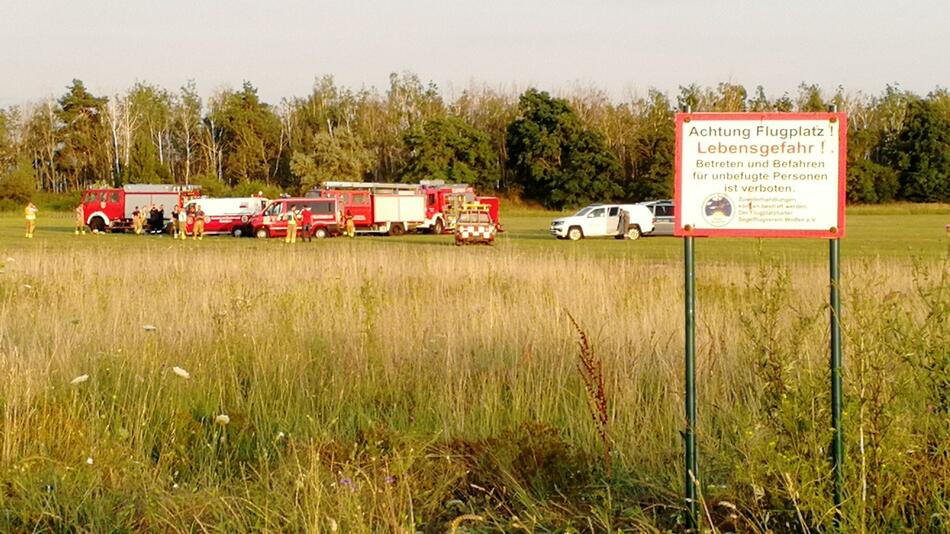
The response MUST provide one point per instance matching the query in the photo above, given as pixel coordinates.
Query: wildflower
(79, 379)
(347, 482)
(390, 479)
(181, 372)
(89, 460)
(280, 436)
(332, 524)
(149, 327)
(222, 420)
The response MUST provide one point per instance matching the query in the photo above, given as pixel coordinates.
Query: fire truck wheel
(261, 233)
(97, 224)
(237, 232)
(396, 229)
(320, 233)
(438, 227)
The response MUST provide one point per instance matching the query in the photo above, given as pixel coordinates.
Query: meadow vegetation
(406, 385)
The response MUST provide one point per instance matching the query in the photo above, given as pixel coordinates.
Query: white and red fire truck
(443, 203)
(272, 221)
(111, 208)
(377, 208)
(225, 215)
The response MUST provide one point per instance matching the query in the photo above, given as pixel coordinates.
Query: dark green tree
(449, 149)
(554, 159)
(84, 155)
(653, 148)
(340, 156)
(921, 151)
(248, 134)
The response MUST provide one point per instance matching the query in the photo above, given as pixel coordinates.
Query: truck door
(613, 219)
(596, 223)
(274, 219)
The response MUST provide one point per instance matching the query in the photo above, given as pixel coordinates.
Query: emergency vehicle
(272, 221)
(225, 215)
(443, 202)
(474, 225)
(111, 208)
(389, 209)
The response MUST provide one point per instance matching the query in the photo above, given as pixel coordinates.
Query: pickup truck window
(599, 212)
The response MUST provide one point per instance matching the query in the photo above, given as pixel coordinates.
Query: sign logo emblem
(717, 209)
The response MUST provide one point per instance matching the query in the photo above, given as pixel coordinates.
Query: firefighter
(30, 213)
(182, 224)
(198, 231)
(306, 220)
(80, 220)
(349, 224)
(137, 221)
(176, 228)
(291, 225)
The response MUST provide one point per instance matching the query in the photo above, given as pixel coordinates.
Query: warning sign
(760, 174)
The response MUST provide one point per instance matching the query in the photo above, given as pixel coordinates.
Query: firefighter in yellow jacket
(80, 220)
(292, 216)
(30, 213)
(198, 229)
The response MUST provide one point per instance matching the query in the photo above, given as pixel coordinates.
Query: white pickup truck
(603, 220)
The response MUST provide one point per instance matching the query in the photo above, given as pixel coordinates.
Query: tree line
(559, 151)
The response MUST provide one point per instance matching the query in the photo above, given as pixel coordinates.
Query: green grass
(405, 384)
(897, 231)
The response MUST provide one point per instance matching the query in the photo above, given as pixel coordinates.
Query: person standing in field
(306, 221)
(291, 225)
(349, 224)
(80, 220)
(137, 221)
(182, 224)
(623, 224)
(30, 213)
(198, 231)
(175, 226)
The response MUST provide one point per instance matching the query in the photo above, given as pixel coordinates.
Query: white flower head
(222, 420)
(181, 372)
(79, 379)
(89, 460)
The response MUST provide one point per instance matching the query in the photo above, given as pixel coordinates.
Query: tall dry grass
(372, 387)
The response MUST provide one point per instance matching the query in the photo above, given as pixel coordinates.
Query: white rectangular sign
(760, 174)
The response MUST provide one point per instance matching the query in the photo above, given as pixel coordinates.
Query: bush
(19, 185)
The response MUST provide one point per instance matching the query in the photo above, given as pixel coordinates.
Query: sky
(621, 47)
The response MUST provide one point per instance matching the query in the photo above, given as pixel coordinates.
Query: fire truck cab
(272, 220)
(445, 203)
(111, 208)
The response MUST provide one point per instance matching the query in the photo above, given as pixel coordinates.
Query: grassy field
(406, 385)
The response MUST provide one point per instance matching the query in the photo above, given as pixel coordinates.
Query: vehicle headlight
(557, 223)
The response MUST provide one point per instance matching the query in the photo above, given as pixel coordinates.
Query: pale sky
(619, 46)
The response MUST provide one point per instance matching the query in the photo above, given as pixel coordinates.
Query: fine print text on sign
(760, 174)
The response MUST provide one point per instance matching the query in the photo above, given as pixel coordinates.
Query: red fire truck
(111, 208)
(225, 215)
(444, 203)
(272, 221)
(377, 208)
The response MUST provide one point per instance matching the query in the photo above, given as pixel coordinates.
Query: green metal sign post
(692, 476)
(837, 446)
